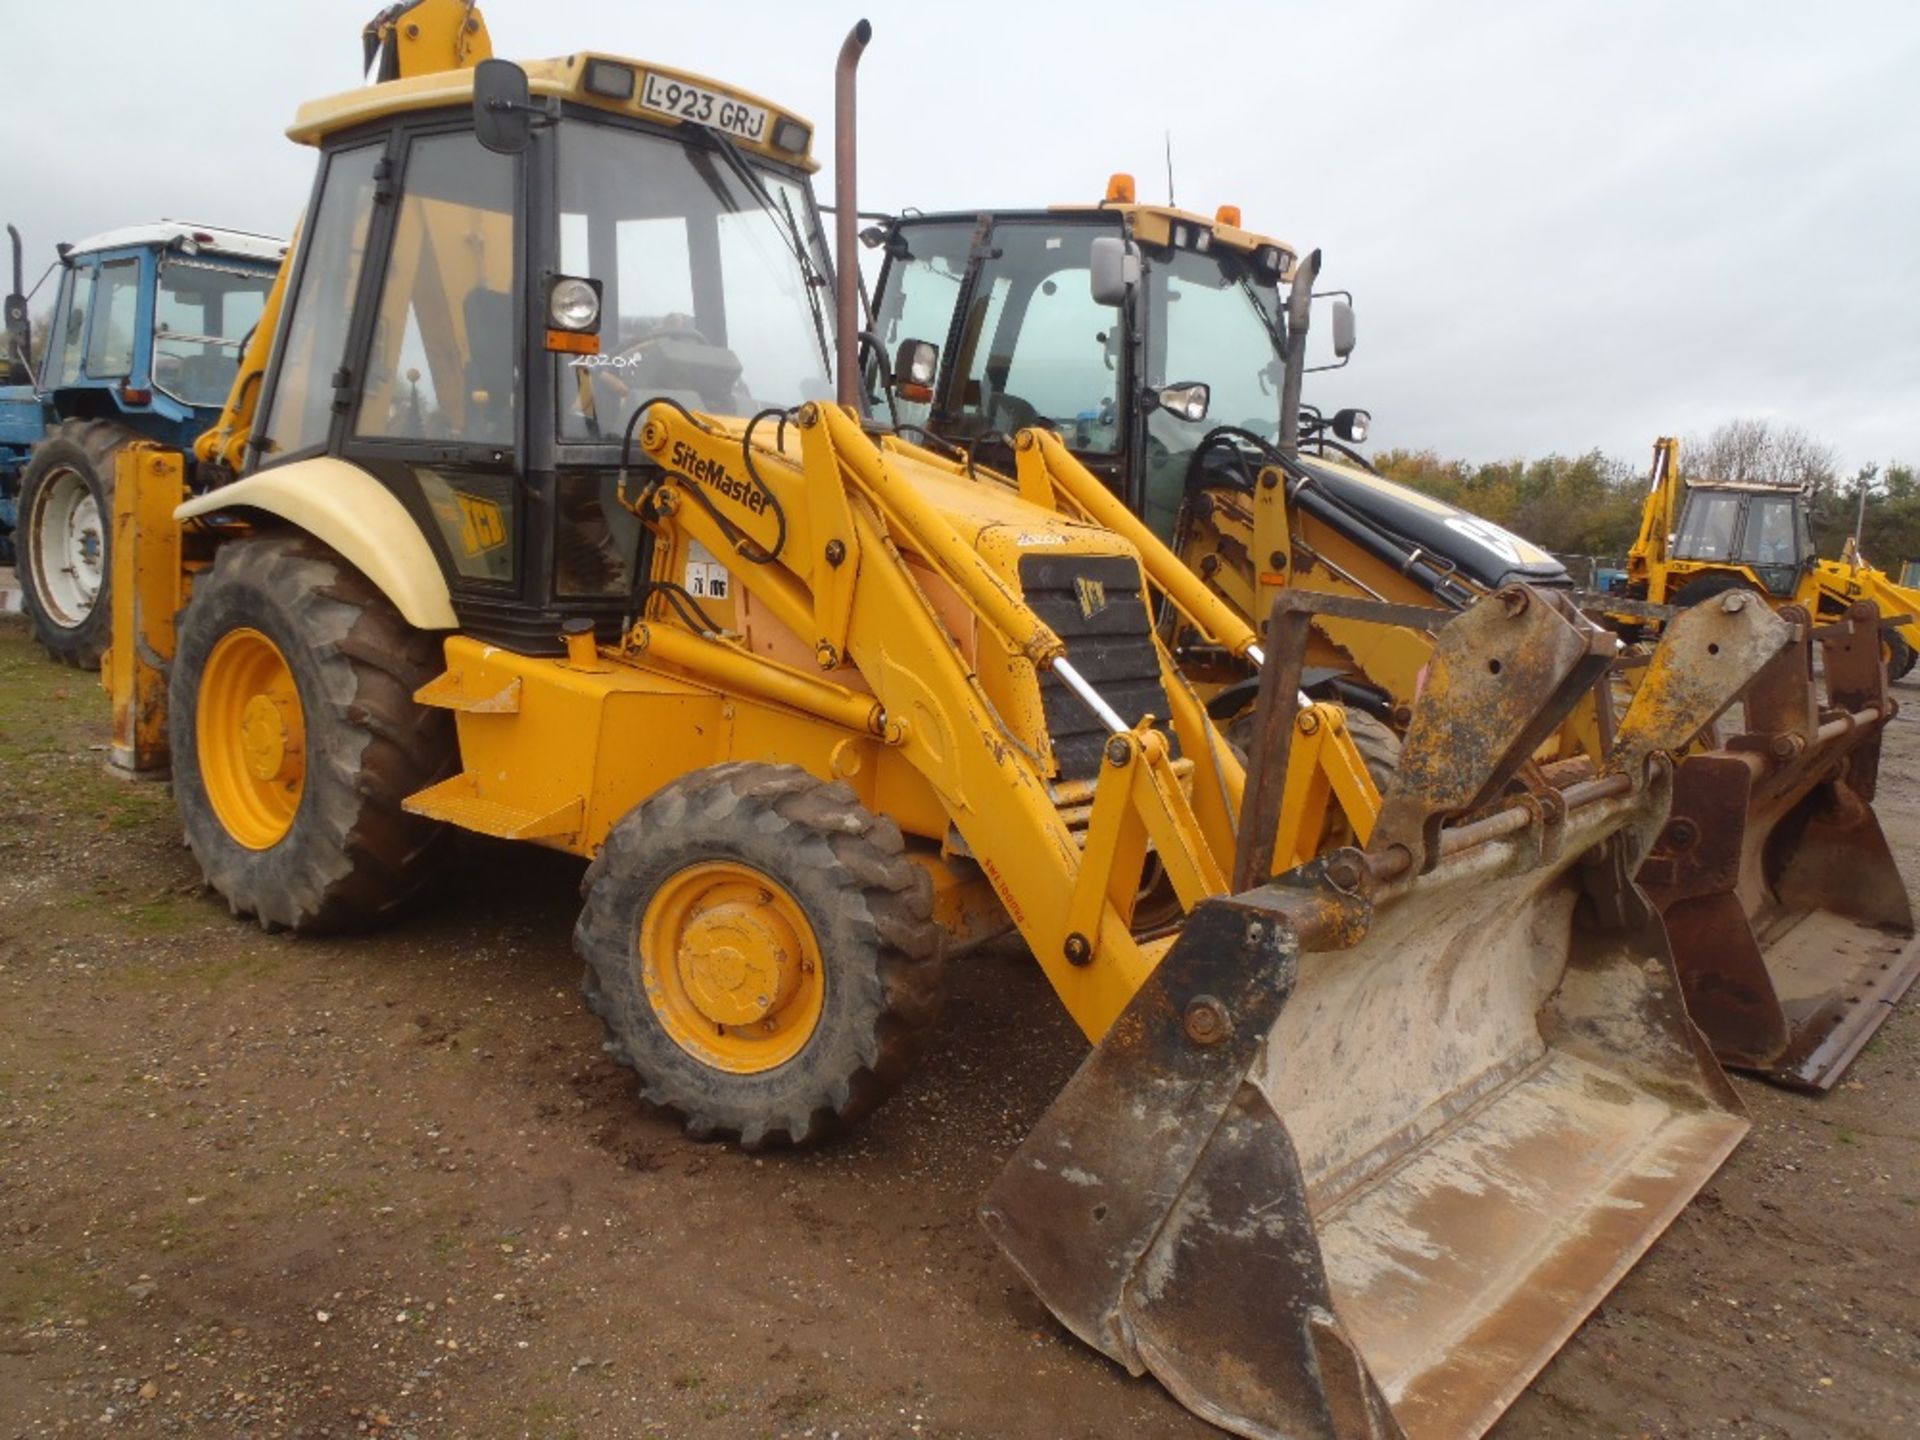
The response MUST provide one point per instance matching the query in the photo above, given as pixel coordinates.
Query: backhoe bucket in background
(1376, 1136)
(1789, 921)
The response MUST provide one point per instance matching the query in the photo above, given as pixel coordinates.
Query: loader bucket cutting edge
(1403, 1151)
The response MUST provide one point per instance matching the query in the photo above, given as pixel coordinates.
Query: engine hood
(1482, 551)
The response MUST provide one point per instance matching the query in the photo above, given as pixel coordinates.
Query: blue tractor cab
(146, 334)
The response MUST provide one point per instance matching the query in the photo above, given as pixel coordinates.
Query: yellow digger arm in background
(1650, 546)
(415, 37)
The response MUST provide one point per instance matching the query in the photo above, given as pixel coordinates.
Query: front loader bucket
(1789, 920)
(1376, 1136)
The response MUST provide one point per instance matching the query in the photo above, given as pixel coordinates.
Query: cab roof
(563, 78)
(1750, 487)
(211, 239)
(1151, 225)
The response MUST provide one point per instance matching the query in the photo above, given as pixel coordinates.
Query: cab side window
(314, 339)
(442, 365)
(116, 302)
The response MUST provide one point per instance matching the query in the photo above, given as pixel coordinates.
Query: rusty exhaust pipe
(846, 220)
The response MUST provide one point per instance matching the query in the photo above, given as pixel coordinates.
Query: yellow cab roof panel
(563, 78)
(1153, 225)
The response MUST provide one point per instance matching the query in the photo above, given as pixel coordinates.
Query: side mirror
(1342, 331)
(502, 107)
(19, 330)
(1113, 268)
(915, 365)
(1188, 400)
(1352, 425)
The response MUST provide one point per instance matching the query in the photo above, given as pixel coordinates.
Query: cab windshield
(204, 312)
(714, 285)
(1707, 526)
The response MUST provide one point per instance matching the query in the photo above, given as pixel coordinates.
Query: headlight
(791, 136)
(574, 304)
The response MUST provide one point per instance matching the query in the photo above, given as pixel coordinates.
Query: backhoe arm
(1650, 547)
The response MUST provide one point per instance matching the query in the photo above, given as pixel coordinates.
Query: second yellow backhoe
(1155, 358)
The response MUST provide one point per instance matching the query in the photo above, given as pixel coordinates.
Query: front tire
(296, 737)
(761, 951)
(62, 542)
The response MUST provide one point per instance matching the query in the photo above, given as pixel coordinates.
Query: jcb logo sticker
(482, 526)
(1092, 595)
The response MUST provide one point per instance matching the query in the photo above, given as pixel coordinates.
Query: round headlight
(573, 305)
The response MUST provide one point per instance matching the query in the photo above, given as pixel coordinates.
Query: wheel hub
(264, 736)
(68, 546)
(740, 961)
(250, 734)
(731, 967)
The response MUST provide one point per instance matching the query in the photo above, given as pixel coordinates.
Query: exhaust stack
(846, 220)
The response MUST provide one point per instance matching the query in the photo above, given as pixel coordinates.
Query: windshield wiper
(1266, 321)
(810, 273)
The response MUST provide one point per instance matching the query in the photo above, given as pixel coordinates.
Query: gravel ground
(258, 1187)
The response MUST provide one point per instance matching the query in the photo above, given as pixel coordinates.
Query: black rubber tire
(1899, 653)
(352, 856)
(871, 911)
(1379, 747)
(1705, 587)
(87, 448)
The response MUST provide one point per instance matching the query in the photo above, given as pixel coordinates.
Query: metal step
(460, 801)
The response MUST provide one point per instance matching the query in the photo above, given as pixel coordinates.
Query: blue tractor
(145, 338)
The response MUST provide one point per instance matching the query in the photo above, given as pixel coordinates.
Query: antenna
(1169, 138)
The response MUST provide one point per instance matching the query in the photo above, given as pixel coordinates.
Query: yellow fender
(344, 507)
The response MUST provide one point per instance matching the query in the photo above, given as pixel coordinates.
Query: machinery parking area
(253, 1185)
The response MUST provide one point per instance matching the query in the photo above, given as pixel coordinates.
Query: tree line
(1590, 504)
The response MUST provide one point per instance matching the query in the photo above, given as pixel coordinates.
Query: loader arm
(848, 508)
(1841, 584)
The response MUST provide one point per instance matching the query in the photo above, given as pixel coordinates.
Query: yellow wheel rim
(252, 738)
(731, 967)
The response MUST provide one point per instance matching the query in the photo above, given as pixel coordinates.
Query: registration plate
(686, 101)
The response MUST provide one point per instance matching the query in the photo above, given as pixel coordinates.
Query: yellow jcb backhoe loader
(1703, 536)
(545, 526)
(1156, 352)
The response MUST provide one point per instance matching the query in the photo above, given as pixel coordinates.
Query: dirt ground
(253, 1186)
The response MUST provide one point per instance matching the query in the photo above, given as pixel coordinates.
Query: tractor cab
(149, 322)
(532, 257)
(1761, 529)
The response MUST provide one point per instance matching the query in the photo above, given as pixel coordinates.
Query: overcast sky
(1566, 225)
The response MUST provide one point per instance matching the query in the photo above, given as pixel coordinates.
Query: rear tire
(1707, 586)
(62, 541)
(771, 1039)
(296, 737)
(1898, 654)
